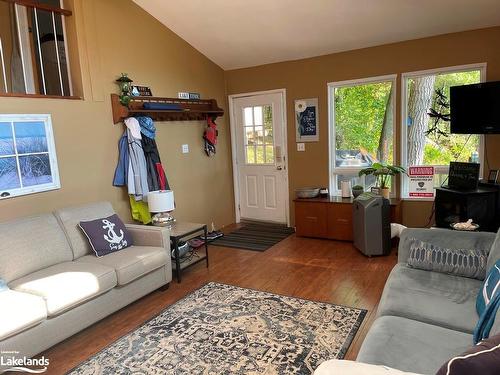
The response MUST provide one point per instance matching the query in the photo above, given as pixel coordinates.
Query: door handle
(279, 168)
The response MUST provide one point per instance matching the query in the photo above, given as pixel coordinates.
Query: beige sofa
(59, 287)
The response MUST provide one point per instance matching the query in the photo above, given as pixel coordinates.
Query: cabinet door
(340, 222)
(310, 219)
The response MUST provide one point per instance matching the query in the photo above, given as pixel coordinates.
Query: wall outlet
(185, 149)
(183, 95)
(301, 146)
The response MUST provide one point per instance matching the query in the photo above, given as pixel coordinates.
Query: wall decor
(306, 120)
(141, 91)
(493, 176)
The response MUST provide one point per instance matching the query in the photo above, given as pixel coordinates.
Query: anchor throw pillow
(106, 235)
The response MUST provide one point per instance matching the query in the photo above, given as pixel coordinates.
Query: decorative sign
(188, 95)
(421, 182)
(141, 91)
(306, 120)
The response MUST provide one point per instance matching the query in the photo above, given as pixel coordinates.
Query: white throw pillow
(341, 367)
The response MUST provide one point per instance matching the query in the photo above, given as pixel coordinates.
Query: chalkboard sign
(306, 120)
(463, 176)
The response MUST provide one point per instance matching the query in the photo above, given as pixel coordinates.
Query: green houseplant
(383, 173)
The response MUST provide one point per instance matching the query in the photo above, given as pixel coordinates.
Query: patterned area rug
(256, 236)
(223, 329)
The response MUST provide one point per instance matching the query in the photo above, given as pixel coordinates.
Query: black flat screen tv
(475, 109)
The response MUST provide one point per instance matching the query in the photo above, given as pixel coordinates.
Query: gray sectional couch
(424, 318)
(57, 286)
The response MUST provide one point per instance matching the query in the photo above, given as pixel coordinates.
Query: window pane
(259, 134)
(268, 139)
(6, 139)
(269, 154)
(9, 178)
(30, 137)
(260, 154)
(248, 116)
(363, 124)
(250, 154)
(249, 136)
(429, 141)
(35, 169)
(257, 115)
(268, 118)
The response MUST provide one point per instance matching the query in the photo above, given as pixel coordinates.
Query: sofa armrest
(145, 235)
(342, 367)
(445, 238)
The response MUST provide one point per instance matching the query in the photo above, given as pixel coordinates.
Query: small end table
(186, 231)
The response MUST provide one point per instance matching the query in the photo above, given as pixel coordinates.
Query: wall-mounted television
(475, 109)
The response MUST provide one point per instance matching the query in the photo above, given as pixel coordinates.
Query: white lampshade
(161, 201)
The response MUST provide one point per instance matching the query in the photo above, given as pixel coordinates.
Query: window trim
(438, 169)
(51, 151)
(333, 171)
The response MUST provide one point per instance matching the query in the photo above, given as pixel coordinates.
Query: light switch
(301, 146)
(185, 149)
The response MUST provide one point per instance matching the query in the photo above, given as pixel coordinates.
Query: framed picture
(141, 91)
(493, 176)
(306, 120)
(375, 190)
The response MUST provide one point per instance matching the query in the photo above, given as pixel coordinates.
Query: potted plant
(357, 190)
(383, 173)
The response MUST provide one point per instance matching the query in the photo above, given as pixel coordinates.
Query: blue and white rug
(223, 329)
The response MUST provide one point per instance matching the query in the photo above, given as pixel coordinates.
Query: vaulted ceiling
(243, 33)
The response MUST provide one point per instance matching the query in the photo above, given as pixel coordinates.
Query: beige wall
(309, 77)
(117, 36)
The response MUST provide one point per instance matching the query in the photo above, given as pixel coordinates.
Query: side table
(186, 231)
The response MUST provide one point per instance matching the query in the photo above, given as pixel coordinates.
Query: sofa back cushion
(70, 218)
(30, 244)
(494, 252)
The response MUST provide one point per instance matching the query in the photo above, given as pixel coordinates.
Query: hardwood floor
(314, 269)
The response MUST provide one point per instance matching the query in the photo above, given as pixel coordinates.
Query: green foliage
(439, 149)
(359, 116)
(383, 172)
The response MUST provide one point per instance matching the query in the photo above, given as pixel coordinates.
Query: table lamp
(161, 203)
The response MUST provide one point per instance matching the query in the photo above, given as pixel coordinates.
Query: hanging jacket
(156, 174)
(137, 170)
(121, 171)
(139, 210)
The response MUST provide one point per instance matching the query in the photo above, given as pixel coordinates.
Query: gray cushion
(461, 262)
(66, 285)
(409, 345)
(19, 312)
(431, 297)
(132, 262)
(70, 218)
(30, 244)
(494, 252)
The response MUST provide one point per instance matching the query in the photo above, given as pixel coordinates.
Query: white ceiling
(243, 33)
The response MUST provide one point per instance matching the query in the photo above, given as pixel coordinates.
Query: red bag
(210, 136)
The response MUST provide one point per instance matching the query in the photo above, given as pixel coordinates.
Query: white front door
(260, 157)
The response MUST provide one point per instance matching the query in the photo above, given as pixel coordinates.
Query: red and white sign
(421, 182)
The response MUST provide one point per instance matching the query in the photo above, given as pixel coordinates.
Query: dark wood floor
(318, 270)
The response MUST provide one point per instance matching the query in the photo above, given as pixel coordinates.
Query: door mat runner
(256, 236)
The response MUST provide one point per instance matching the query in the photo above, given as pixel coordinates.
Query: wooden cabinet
(331, 217)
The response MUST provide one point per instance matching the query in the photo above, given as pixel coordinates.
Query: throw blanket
(487, 303)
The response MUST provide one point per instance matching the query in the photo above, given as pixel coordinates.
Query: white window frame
(332, 147)
(51, 149)
(438, 169)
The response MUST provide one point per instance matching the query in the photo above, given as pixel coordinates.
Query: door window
(258, 134)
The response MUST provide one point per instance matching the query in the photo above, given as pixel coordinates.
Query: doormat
(224, 329)
(256, 236)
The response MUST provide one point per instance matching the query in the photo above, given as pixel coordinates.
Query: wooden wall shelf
(191, 110)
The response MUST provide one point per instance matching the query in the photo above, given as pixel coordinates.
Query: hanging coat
(156, 174)
(137, 170)
(121, 171)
